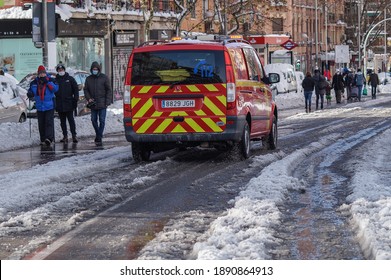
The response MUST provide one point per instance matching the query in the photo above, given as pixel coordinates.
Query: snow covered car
(80, 77)
(13, 101)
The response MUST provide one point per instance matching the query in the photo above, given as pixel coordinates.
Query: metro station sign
(289, 45)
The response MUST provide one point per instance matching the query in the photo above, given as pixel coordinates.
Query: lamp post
(366, 40)
(316, 33)
(45, 33)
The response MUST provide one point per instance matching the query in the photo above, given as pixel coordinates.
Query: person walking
(42, 90)
(349, 83)
(320, 88)
(66, 102)
(359, 81)
(308, 85)
(338, 85)
(98, 93)
(374, 82)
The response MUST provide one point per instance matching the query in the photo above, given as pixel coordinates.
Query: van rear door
(178, 91)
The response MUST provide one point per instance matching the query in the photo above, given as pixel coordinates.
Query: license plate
(178, 103)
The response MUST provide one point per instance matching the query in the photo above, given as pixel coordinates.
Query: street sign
(289, 45)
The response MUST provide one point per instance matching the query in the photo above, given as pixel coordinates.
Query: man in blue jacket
(42, 90)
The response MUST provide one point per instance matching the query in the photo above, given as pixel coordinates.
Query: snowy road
(299, 202)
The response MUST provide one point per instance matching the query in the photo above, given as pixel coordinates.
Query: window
(239, 64)
(278, 24)
(181, 67)
(254, 65)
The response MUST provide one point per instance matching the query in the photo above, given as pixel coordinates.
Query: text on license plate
(178, 103)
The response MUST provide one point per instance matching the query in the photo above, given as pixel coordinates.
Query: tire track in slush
(314, 225)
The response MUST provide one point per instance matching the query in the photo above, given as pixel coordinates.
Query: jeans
(307, 97)
(321, 97)
(359, 91)
(374, 92)
(99, 128)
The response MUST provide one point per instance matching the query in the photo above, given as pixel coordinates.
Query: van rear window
(178, 67)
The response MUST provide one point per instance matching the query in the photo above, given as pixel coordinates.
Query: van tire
(140, 152)
(270, 141)
(243, 147)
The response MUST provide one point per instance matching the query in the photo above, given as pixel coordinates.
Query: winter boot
(64, 140)
(74, 139)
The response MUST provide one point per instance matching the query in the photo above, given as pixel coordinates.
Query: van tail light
(127, 99)
(231, 87)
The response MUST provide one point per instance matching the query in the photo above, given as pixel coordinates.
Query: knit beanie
(41, 69)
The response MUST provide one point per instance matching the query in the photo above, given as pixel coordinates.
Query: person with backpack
(374, 82)
(359, 81)
(320, 88)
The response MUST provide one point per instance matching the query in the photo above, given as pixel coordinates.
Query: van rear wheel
(140, 152)
(270, 141)
(242, 148)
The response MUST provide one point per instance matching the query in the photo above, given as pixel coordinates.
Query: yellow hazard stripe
(208, 103)
(222, 99)
(162, 89)
(135, 101)
(194, 125)
(148, 104)
(211, 87)
(144, 89)
(179, 129)
(212, 125)
(193, 88)
(162, 126)
(178, 113)
(146, 125)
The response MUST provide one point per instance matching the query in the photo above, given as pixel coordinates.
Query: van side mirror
(274, 78)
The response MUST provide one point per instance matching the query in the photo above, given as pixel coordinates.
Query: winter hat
(41, 69)
(60, 66)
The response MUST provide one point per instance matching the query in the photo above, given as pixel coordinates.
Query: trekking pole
(29, 116)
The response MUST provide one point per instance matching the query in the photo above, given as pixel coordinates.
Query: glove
(30, 95)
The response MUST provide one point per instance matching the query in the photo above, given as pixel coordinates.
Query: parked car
(80, 77)
(287, 74)
(13, 101)
(191, 92)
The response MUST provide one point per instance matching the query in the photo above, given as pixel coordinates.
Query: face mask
(95, 72)
(62, 73)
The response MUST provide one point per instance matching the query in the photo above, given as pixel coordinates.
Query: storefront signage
(124, 38)
(82, 28)
(14, 28)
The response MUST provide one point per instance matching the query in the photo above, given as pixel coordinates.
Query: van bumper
(233, 132)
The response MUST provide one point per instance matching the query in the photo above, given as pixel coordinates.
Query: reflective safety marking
(178, 113)
(157, 114)
(148, 104)
(200, 113)
(193, 88)
(135, 100)
(212, 124)
(194, 125)
(222, 99)
(178, 129)
(162, 89)
(145, 125)
(211, 87)
(163, 126)
(216, 111)
(144, 89)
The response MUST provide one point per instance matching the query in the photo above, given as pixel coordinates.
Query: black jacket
(308, 84)
(67, 94)
(338, 83)
(98, 88)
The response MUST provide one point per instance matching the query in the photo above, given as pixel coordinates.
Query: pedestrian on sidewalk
(320, 88)
(98, 93)
(359, 81)
(66, 102)
(338, 85)
(374, 82)
(308, 85)
(42, 90)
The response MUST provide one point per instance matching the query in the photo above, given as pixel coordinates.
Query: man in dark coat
(338, 85)
(66, 102)
(320, 88)
(374, 82)
(97, 91)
